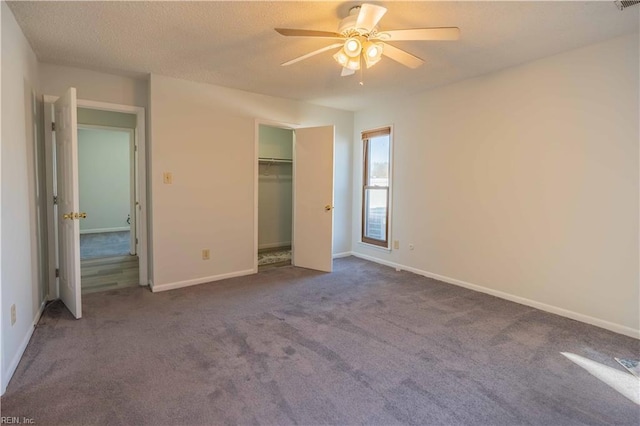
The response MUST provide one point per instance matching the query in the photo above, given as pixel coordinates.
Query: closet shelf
(274, 160)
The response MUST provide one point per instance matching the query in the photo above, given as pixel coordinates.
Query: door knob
(82, 215)
(68, 216)
(328, 207)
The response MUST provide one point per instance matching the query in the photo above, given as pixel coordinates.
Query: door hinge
(55, 199)
(53, 127)
(135, 147)
(136, 241)
(57, 273)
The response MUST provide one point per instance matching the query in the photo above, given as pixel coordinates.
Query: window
(375, 186)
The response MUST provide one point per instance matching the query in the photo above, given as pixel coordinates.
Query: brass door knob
(328, 207)
(68, 216)
(82, 215)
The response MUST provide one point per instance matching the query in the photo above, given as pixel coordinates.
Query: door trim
(141, 190)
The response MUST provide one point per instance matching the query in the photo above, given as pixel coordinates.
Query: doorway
(63, 213)
(275, 196)
(107, 194)
(312, 164)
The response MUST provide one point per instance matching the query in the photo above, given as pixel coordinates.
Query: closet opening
(275, 196)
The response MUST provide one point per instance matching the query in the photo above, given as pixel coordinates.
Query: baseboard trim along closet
(11, 368)
(617, 328)
(172, 286)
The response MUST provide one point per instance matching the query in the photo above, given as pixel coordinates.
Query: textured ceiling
(233, 44)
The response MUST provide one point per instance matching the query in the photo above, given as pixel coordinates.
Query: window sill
(375, 247)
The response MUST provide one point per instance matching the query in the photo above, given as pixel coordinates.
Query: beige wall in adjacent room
(523, 182)
(104, 179)
(205, 136)
(96, 117)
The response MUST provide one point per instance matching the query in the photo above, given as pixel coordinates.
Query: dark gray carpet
(105, 244)
(363, 345)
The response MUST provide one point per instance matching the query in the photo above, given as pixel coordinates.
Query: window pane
(375, 215)
(378, 161)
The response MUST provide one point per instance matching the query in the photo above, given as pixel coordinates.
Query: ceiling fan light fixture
(353, 64)
(352, 47)
(372, 53)
(341, 57)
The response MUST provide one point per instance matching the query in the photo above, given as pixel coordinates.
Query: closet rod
(274, 160)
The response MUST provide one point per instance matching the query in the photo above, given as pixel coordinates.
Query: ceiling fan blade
(399, 55)
(346, 71)
(310, 54)
(446, 33)
(369, 16)
(307, 33)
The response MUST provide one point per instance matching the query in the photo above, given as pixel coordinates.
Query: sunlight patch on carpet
(626, 384)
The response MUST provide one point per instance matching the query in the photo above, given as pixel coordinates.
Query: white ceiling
(233, 44)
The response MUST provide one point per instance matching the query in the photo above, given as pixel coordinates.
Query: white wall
(104, 178)
(205, 136)
(524, 182)
(275, 188)
(93, 85)
(21, 274)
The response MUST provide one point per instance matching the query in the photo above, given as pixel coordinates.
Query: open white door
(66, 137)
(313, 198)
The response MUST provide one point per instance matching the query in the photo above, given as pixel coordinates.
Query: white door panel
(66, 137)
(313, 198)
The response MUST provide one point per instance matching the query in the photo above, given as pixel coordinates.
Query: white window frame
(363, 162)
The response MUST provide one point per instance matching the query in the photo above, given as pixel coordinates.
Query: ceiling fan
(361, 41)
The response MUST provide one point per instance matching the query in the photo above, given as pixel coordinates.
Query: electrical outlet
(206, 254)
(396, 244)
(411, 247)
(13, 314)
(167, 177)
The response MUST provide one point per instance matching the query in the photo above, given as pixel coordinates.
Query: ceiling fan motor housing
(347, 26)
(350, 21)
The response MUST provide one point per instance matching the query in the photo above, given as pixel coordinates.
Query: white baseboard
(172, 286)
(274, 245)
(343, 254)
(11, 368)
(102, 230)
(617, 328)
